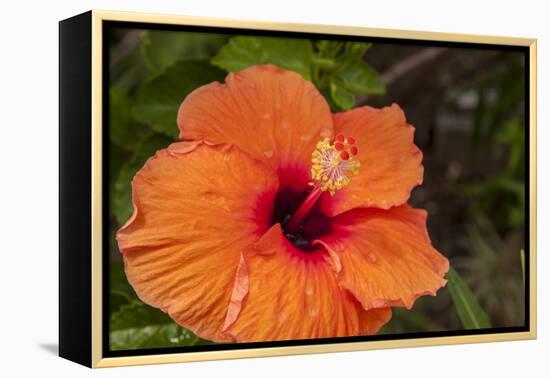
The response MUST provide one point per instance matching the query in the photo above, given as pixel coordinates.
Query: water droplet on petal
(268, 154)
(371, 257)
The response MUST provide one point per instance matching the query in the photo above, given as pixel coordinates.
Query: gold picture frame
(95, 20)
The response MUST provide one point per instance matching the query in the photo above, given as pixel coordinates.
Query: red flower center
(313, 226)
(333, 166)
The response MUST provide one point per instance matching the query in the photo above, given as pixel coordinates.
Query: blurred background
(467, 105)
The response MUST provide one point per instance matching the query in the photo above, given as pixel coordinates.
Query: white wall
(28, 186)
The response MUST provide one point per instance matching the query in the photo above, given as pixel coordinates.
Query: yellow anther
(333, 165)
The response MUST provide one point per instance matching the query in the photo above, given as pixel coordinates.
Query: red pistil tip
(346, 146)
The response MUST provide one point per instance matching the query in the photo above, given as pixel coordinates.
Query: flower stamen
(332, 167)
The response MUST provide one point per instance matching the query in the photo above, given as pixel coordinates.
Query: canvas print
(277, 188)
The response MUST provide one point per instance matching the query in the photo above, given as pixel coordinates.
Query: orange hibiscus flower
(274, 219)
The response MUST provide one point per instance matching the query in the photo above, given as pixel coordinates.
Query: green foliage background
(151, 72)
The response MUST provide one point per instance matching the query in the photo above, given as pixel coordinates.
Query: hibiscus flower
(273, 219)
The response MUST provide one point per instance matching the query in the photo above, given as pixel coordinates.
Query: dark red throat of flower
(332, 167)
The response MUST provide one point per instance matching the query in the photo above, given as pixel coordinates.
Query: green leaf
(148, 53)
(117, 157)
(244, 51)
(136, 314)
(341, 96)
(469, 310)
(329, 49)
(152, 336)
(360, 78)
(340, 71)
(121, 195)
(117, 299)
(118, 283)
(159, 99)
(137, 325)
(124, 130)
(325, 64)
(356, 50)
(161, 49)
(129, 70)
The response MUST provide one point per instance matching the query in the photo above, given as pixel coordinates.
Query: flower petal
(386, 256)
(196, 207)
(371, 321)
(391, 164)
(272, 114)
(295, 295)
